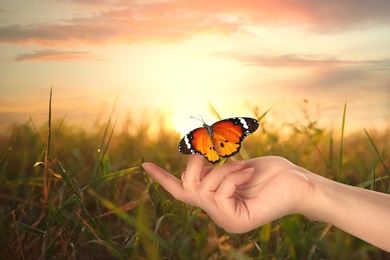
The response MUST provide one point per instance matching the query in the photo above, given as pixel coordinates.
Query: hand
(243, 195)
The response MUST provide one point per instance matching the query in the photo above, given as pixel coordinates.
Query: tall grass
(82, 194)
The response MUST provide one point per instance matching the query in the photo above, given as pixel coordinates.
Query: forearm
(360, 212)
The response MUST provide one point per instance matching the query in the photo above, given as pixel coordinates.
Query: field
(71, 193)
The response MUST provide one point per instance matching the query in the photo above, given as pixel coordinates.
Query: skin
(255, 192)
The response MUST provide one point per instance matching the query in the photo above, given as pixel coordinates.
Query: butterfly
(221, 139)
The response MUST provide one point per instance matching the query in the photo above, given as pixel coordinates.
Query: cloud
(364, 75)
(54, 55)
(325, 16)
(139, 21)
(317, 76)
(292, 61)
(300, 61)
(117, 26)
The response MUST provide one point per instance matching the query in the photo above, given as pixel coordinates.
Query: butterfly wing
(198, 141)
(222, 139)
(228, 134)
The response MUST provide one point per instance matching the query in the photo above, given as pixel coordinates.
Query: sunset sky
(176, 57)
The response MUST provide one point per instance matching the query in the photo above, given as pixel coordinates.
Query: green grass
(67, 192)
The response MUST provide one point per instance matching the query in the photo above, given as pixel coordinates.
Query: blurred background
(176, 57)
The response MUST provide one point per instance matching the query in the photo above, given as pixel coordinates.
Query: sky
(174, 58)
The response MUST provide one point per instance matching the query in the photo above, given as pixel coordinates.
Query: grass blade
(47, 154)
(110, 177)
(341, 164)
(129, 219)
(377, 153)
(214, 112)
(29, 229)
(100, 154)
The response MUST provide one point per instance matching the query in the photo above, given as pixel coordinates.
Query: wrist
(323, 199)
(312, 194)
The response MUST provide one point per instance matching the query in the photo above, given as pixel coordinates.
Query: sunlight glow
(178, 58)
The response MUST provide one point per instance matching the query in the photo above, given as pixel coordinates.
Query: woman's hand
(239, 196)
(243, 195)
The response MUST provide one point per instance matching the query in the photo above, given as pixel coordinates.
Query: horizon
(283, 120)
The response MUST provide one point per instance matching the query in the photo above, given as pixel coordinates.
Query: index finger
(169, 182)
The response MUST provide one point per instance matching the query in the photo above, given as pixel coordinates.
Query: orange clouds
(123, 25)
(130, 22)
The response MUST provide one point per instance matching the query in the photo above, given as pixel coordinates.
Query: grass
(69, 193)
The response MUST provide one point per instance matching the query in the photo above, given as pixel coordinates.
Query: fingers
(214, 178)
(199, 185)
(227, 207)
(168, 181)
(206, 171)
(227, 188)
(192, 176)
(182, 190)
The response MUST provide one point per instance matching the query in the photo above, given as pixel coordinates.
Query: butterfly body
(221, 139)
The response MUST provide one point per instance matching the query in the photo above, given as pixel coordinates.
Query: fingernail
(237, 163)
(144, 165)
(248, 170)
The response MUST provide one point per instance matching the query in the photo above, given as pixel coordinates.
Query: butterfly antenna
(201, 118)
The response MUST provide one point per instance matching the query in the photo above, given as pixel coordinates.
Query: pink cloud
(130, 22)
(319, 15)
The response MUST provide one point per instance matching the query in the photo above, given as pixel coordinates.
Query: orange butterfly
(221, 139)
